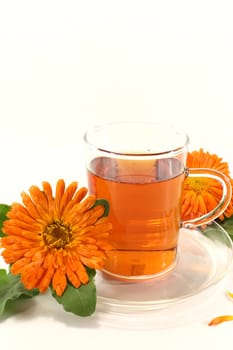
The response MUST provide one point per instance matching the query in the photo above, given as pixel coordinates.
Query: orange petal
(58, 260)
(59, 282)
(19, 224)
(73, 278)
(9, 229)
(77, 198)
(31, 208)
(39, 197)
(46, 279)
(67, 196)
(49, 195)
(77, 218)
(93, 262)
(10, 256)
(19, 212)
(60, 189)
(75, 265)
(49, 260)
(19, 265)
(31, 278)
(220, 319)
(87, 203)
(80, 194)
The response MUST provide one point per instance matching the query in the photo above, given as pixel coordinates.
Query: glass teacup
(140, 168)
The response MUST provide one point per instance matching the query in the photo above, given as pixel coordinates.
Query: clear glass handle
(223, 203)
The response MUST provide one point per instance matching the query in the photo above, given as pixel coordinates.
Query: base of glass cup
(139, 278)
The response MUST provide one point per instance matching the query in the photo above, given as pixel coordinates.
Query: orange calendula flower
(52, 239)
(202, 195)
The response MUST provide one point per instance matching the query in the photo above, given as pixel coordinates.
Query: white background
(66, 65)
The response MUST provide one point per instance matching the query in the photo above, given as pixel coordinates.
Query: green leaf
(105, 203)
(80, 301)
(227, 224)
(4, 208)
(91, 272)
(12, 289)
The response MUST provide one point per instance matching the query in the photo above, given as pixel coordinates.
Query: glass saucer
(204, 259)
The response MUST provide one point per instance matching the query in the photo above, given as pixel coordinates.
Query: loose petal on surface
(229, 294)
(220, 319)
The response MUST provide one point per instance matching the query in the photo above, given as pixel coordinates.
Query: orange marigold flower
(51, 239)
(202, 195)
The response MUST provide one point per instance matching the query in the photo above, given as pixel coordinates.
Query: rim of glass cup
(99, 144)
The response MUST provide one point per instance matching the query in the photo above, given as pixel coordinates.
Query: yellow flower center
(199, 184)
(57, 235)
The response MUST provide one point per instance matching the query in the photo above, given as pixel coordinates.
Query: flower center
(199, 184)
(57, 235)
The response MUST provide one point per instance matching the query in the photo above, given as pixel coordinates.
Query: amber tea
(144, 197)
